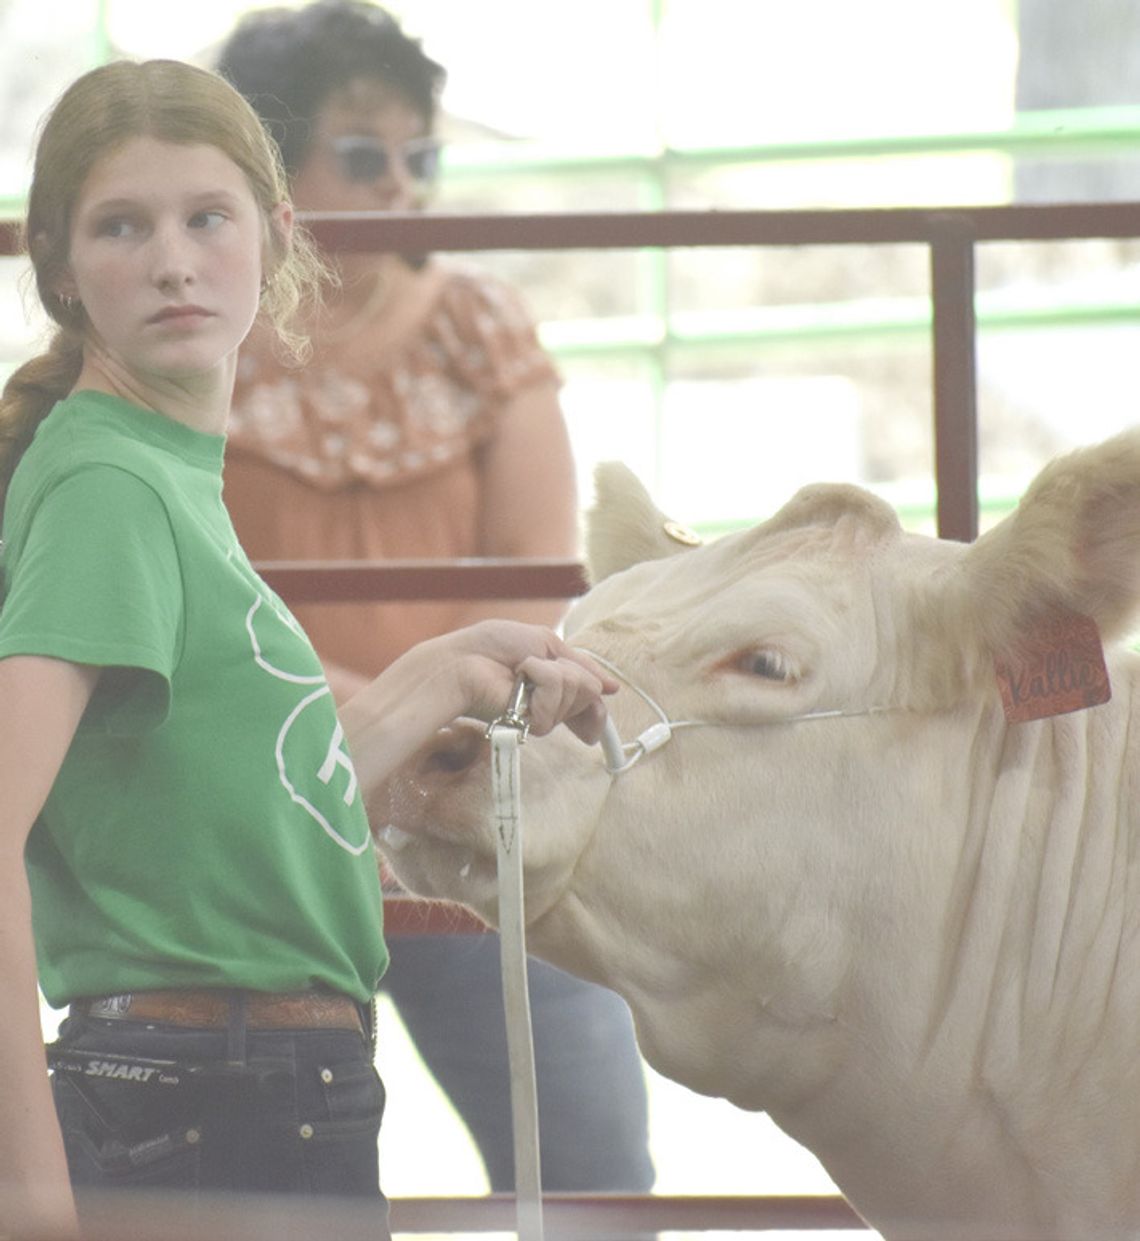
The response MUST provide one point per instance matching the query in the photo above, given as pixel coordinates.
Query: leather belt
(219, 1009)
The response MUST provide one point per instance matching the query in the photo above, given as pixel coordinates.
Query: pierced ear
(625, 527)
(68, 309)
(64, 286)
(276, 242)
(281, 220)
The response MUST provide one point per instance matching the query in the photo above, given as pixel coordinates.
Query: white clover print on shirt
(320, 789)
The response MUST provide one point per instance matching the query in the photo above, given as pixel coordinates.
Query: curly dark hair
(287, 62)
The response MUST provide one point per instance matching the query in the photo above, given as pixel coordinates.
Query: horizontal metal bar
(365, 231)
(1074, 133)
(117, 1217)
(390, 580)
(617, 230)
(856, 321)
(611, 1215)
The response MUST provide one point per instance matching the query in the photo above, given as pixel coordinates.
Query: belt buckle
(110, 1005)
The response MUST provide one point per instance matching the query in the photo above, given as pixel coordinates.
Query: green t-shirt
(205, 829)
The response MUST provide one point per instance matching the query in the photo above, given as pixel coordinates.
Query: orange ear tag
(1059, 668)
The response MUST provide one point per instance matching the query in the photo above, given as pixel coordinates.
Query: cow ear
(625, 527)
(1072, 544)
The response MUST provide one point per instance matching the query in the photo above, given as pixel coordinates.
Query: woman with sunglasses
(427, 424)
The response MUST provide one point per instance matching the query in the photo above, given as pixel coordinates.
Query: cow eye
(770, 665)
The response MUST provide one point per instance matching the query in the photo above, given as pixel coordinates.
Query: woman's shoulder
(484, 331)
(482, 300)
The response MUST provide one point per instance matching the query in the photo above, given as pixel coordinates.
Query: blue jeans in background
(592, 1103)
(300, 1115)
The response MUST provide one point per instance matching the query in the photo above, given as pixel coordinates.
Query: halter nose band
(621, 756)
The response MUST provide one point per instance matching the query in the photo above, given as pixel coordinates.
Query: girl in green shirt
(186, 857)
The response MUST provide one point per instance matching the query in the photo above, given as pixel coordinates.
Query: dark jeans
(592, 1103)
(300, 1115)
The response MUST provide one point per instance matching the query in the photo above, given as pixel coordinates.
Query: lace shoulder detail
(414, 407)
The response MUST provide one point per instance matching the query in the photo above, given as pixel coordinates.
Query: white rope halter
(621, 756)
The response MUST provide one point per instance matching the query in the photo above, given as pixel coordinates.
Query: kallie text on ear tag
(1059, 667)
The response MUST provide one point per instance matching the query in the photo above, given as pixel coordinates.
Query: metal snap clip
(514, 716)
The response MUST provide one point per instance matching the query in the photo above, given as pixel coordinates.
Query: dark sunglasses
(364, 159)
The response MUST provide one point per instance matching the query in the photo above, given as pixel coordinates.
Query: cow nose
(453, 750)
(409, 798)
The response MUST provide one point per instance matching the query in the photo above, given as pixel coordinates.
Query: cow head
(827, 607)
(848, 919)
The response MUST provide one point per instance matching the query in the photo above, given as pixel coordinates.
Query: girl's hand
(568, 687)
(471, 672)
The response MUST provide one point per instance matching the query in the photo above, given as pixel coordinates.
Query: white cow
(911, 931)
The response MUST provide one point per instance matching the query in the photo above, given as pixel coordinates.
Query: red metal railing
(616, 1215)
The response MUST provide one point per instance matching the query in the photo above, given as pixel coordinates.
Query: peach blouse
(372, 452)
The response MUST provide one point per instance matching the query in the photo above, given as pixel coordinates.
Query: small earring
(67, 301)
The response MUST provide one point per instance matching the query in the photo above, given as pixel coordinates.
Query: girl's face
(370, 151)
(166, 257)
